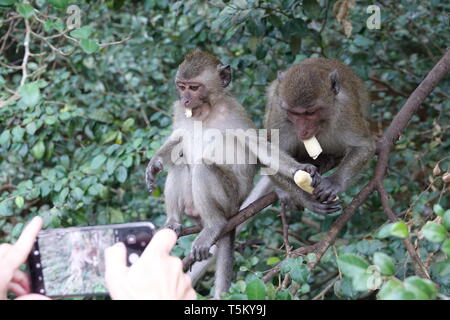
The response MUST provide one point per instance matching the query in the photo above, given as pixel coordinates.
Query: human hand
(156, 275)
(12, 256)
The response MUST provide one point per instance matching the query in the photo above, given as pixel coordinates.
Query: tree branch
(243, 215)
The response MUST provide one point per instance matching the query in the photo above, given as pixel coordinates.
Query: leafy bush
(77, 130)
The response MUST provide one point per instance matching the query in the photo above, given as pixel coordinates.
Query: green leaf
(17, 230)
(297, 270)
(352, 265)
(272, 260)
(60, 4)
(19, 201)
(422, 289)
(385, 231)
(121, 174)
(77, 194)
(446, 247)
(305, 288)
(384, 262)
(283, 295)
(30, 94)
(441, 268)
(101, 115)
(82, 33)
(89, 46)
(5, 138)
(400, 230)
(109, 136)
(116, 216)
(7, 2)
(25, 10)
(434, 232)
(300, 273)
(98, 161)
(63, 195)
(18, 133)
(31, 128)
(38, 150)
(438, 209)
(51, 120)
(362, 41)
(5, 208)
(311, 8)
(128, 124)
(256, 290)
(360, 281)
(394, 290)
(446, 220)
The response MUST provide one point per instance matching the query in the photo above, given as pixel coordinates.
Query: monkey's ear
(335, 83)
(280, 75)
(225, 75)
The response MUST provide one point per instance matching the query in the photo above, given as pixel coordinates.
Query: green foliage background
(74, 146)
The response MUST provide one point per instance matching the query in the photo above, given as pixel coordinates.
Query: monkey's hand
(326, 189)
(154, 167)
(313, 172)
(175, 226)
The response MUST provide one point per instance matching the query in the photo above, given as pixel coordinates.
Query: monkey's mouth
(191, 112)
(306, 136)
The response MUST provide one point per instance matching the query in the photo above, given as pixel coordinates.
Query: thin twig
(419, 268)
(115, 42)
(327, 288)
(287, 246)
(26, 44)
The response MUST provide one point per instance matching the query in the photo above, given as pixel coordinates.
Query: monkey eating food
(321, 107)
(197, 185)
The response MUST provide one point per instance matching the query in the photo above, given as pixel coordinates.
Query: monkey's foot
(200, 253)
(175, 226)
(200, 247)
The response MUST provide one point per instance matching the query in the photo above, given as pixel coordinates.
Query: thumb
(115, 267)
(25, 242)
(161, 243)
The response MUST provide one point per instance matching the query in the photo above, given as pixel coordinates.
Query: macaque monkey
(209, 191)
(323, 99)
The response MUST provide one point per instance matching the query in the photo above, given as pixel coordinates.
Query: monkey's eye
(182, 88)
(194, 88)
(310, 113)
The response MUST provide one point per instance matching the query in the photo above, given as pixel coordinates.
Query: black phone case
(135, 236)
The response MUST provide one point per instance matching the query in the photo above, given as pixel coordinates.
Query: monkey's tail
(224, 264)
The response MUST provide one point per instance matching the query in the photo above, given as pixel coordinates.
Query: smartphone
(69, 262)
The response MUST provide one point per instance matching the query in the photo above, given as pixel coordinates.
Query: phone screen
(70, 262)
(73, 262)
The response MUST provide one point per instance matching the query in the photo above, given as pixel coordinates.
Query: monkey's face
(306, 120)
(192, 94)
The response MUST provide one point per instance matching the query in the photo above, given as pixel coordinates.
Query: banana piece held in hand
(304, 181)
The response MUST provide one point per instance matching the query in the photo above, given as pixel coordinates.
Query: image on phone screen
(70, 261)
(73, 262)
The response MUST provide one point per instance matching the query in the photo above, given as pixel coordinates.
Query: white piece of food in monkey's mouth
(313, 147)
(188, 113)
(304, 181)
